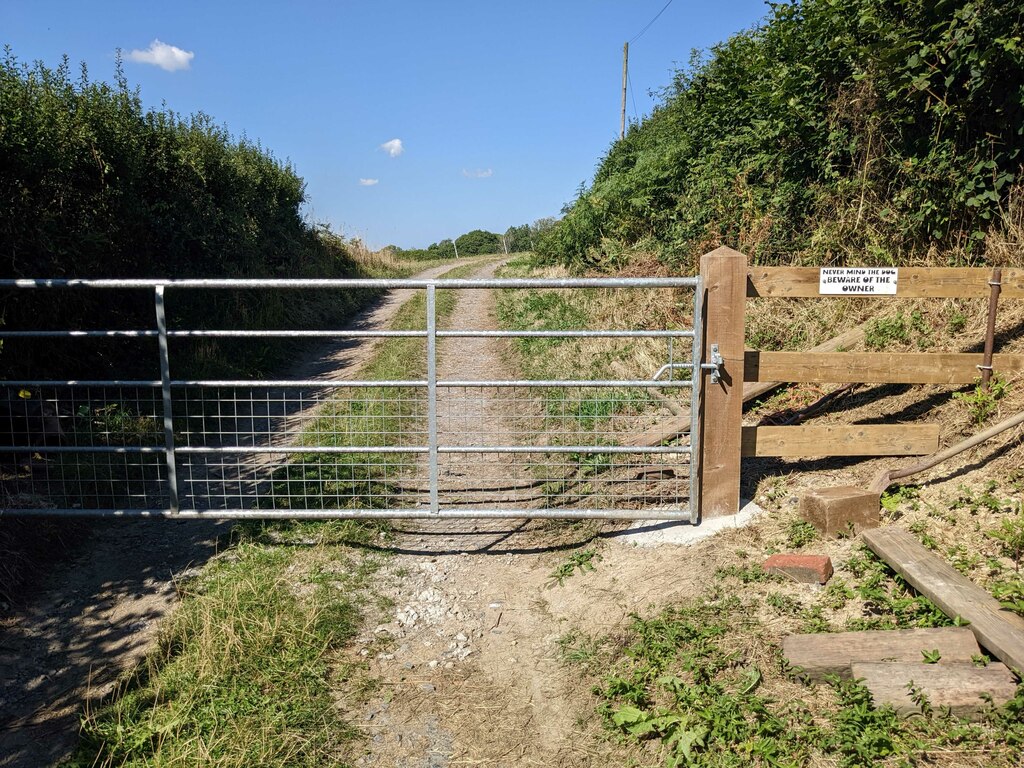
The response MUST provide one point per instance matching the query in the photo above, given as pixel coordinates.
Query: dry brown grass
(620, 310)
(383, 263)
(1004, 245)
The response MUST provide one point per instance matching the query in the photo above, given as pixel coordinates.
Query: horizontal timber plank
(842, 440)
(963, 688)
(998, 630)
(913, 282)
(679, 424)
(873, 367)
(832, 653)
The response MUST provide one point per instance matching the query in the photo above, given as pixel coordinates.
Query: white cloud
(368, 182)
(478, 173)
(393, 147)
(162, 55)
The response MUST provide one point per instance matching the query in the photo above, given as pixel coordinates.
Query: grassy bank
(242, 674)
(860, 132)
(247, 667)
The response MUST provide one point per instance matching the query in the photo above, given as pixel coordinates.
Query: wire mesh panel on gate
(343, 446)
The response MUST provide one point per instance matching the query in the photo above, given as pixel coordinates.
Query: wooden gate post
(725, 289)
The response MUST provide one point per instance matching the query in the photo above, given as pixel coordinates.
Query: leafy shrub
(94, 185)
(864, 129)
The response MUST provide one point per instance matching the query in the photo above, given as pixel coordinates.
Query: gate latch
(713, 366)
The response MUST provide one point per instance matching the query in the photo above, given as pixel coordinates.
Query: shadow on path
(96, 615)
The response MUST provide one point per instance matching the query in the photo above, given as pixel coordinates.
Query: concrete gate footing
(655, 533)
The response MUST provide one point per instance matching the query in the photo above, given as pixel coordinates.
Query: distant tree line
(526, 236)
(480, 242)
(473, 243)
(868, 130)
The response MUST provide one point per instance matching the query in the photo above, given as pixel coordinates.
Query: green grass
(242, 673)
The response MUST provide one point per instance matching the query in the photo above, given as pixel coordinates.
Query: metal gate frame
(166, 385)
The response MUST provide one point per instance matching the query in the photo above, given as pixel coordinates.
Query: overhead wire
(650, 23)
(632, 95)
(636, 37)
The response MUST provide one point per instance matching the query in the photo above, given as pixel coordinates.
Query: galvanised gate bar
(436, 444)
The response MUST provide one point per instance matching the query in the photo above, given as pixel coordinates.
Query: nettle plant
(983, 401)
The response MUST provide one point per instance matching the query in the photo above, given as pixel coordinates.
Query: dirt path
(98, 612)
(475, 416)
(470, 661)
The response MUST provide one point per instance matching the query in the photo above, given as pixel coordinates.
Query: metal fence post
(724, 274)
(165, 385)
(696, 422)
(432, 395)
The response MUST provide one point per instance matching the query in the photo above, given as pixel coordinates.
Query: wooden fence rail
(872, 367)
(913, 283)
(728, 283)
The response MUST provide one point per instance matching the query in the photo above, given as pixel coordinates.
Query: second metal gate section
(455, 437)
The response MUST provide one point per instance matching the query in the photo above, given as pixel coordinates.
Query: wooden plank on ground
(963, 688)
(998, 630)
(832, 653)
(841, 440)
(873, 367)
(912, 282)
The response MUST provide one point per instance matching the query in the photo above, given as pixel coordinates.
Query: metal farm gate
(451, 438)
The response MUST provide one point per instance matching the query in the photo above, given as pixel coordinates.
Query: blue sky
(502, 108)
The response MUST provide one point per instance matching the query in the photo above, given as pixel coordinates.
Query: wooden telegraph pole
(625, 70)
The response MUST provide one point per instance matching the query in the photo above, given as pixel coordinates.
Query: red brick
(807, 569)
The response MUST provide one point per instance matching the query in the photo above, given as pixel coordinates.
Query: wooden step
(967, 690)
(820, 655)
(998, 630)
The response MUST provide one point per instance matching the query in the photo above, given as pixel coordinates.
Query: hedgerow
(834, 130)
(93, 184)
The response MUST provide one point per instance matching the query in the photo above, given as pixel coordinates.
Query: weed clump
(704, 686)
(983, 402)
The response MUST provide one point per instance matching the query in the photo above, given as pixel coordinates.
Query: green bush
(94, 185)
(865, 128)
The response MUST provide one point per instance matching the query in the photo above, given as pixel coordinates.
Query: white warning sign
(864, 281)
